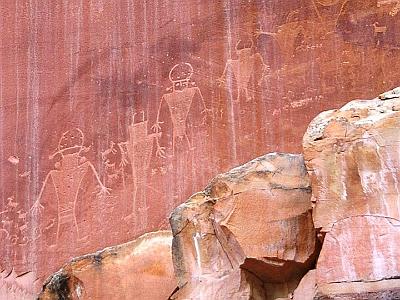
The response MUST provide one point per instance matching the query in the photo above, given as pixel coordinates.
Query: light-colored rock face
(255, 218)
(353, 157)
(362, 249)
(307, 287)
(141, 269)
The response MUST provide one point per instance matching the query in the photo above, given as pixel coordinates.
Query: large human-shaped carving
(65, 183)
(137, 152)
(244, 68)
(179, 100)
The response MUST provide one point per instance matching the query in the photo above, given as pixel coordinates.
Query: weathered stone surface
(307, 287)
(262, 69)
(13, 287)
(353, 159)
(248, 235)
(352, 155)
(141, 269)
(360, 255)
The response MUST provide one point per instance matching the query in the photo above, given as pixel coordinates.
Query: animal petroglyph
(66, 181)
(179, 100)
(243, 68)
(137, 152)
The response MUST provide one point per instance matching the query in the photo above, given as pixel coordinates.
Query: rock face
(141, 269)
(352, 155)
(248, 235)
(160, 97)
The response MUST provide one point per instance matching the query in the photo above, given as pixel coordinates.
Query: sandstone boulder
(353, 158)
(141, 269)
(307, 287)
(248, 235)
(360, 257)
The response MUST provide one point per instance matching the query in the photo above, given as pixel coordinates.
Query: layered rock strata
(248, 235)
(141, 269)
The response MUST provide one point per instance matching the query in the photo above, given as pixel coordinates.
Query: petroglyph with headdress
(65, 181)
(179, 100)
(243, 68)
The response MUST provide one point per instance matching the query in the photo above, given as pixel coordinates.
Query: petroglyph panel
(138, 103)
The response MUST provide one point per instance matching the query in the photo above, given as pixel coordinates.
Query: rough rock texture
(352, 155)
(307, 287)
(262, 69)
(248, 235)
(360, 255)
(141, 269)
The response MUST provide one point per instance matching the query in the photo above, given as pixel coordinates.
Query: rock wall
(115, 112)
(277, 227)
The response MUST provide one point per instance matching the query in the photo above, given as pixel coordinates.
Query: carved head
(180, 75)
(70, 142)
(244, 47)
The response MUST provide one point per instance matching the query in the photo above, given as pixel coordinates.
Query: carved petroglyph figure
(66, 181)
(13, 224)
(179, 100)
(243, 68)
(379, 32)
(327, 16)
(137, 152)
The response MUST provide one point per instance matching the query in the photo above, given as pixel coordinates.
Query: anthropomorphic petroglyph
(65, 182)
(244, 68)
(179, 100)
(137, 152)
(329, 11)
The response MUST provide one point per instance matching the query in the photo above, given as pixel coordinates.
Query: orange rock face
(352, 155)
(141, 269)
(360, 256)
(253, 220)
(353, 158)
(114, 112)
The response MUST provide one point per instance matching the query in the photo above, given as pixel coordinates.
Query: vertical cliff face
(112, 113)
(281, 226)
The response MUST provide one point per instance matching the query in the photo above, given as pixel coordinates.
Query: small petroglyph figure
(114, 162)
(66, 181)
(13, 223)
(243, 68)
(179, 100)
(379, 32)
(395, 93)
(137, 152)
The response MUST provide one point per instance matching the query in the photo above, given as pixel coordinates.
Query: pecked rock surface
(352, 155)
(248, 235)
(141, 269)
